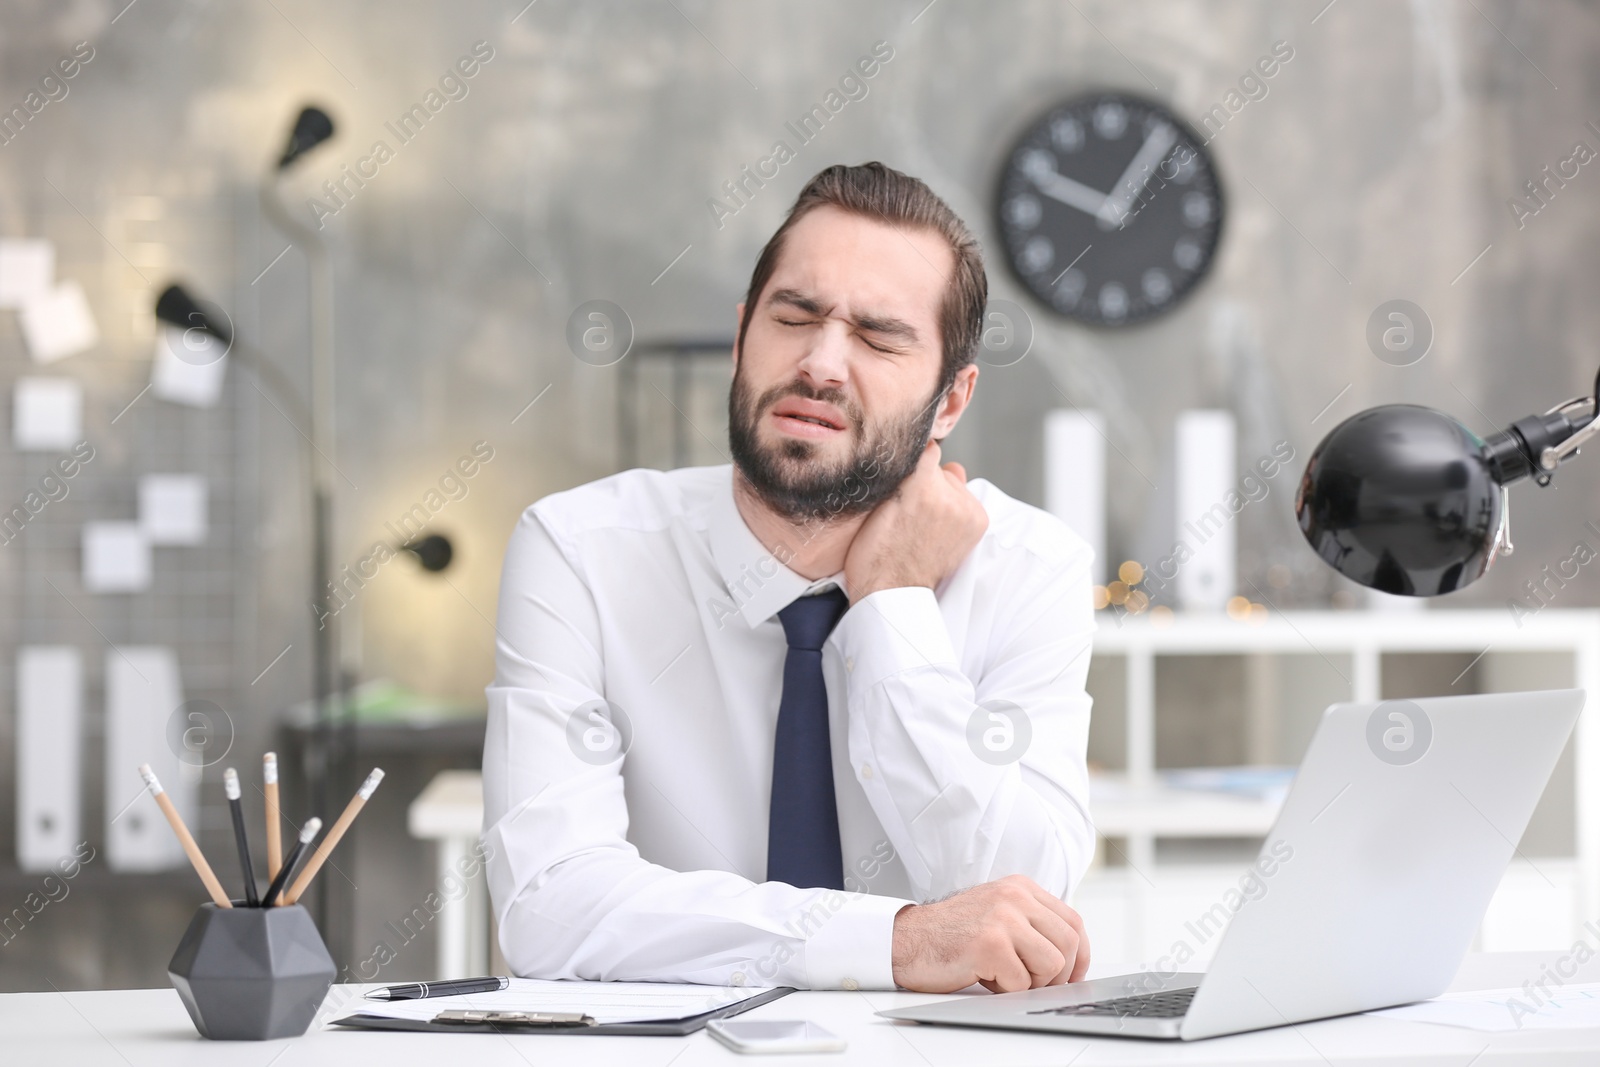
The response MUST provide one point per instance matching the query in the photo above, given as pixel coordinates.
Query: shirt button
(849, 663)
(866, 770)
(850, 984)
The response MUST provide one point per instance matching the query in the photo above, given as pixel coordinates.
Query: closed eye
(869, 344)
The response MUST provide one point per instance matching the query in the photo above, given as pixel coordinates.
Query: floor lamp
(311, 128)
(433, 551)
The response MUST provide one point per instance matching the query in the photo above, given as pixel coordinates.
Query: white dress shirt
(647, 591)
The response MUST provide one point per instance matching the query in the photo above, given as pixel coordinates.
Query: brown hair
(875, 191)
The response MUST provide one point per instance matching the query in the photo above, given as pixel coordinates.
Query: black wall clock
(1110, 209)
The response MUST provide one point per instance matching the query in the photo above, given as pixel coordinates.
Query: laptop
(1367, 892)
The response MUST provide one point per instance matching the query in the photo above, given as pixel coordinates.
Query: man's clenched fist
(1006, 936)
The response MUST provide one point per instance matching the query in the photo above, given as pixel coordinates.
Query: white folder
(1075, 478)
(143, 693)
(49, 717)
(1207, 511)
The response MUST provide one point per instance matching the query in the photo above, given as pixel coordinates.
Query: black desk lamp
(1406, 500)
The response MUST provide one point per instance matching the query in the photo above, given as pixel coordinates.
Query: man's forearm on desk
(614, 921)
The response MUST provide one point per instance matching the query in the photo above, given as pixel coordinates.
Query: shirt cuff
(854, 949)
(894, 630)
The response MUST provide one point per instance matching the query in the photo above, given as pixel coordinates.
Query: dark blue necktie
(803, 821)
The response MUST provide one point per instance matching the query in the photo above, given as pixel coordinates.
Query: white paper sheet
(172, 508)
(116, 557)
(27, 270)
(188, 367)
(607, 1002)
(1570, 1007)
(58, 324)
(46, 414)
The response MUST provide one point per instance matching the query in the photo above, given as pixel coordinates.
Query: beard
(792, 479)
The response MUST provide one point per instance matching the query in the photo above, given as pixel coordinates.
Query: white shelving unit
(1135, 807)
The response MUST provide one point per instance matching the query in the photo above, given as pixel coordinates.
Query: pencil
(230, 786)
(348, 816)
(269, 775)
(307, 832)
(192, 850)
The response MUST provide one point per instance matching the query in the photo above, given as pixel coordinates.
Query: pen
(342, 824)
(419, 990)
(186, 839)
(307, 832)
(230, 786)
(269, 778)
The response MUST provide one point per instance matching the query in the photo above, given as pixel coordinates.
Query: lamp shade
(434, 551)
(311, 128)
(1402, 499)
(177, 308)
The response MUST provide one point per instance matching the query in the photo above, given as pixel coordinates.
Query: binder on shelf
(49, 768)
(1206, 521)
(143, 693)
(1075, 478)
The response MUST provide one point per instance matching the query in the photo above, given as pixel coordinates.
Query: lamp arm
(322, 337)
(275, 381)
(1536, 445)
(326, 683)
(272, 202)
(1557, 454)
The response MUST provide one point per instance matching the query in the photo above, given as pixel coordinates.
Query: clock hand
(1137, 175)
(1058, 186)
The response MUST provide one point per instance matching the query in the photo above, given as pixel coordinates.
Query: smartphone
(774, 1035)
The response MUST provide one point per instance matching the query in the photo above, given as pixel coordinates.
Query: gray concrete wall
(579, 166)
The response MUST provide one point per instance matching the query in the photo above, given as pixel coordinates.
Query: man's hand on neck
(918, 537)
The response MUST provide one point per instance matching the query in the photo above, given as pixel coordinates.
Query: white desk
(143, 1027)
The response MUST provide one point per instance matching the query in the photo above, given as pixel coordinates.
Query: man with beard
(816, 718)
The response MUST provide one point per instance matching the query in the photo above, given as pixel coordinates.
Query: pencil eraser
(230, 783)
(371, 783)
(149, 777)
(269, 768)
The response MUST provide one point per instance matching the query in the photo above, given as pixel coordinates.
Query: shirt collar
(759, 584)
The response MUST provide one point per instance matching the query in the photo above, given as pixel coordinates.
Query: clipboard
(689, 1024)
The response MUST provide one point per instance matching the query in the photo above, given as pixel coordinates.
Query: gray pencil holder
(251, 974)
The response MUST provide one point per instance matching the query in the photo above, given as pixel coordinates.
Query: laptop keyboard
(1171, 1005)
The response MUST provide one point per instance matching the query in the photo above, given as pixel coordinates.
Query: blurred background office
(494, 170)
